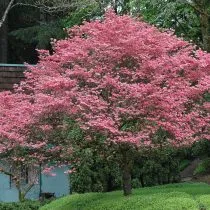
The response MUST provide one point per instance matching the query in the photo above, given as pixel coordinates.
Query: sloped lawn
(188, 196)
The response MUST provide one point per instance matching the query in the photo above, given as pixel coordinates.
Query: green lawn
(188, 196)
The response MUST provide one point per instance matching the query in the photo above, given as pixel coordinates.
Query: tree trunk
(141, 178)
(126, 152)
(3, 43)
(126, 178)
(159, 179)
(202, 7)
(114, 5)
(205, 30)
(21, 195)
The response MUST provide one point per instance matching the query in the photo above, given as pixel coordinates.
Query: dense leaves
(177, 15)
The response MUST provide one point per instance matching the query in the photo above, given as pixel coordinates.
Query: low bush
(28, 205)
(184, 164)
(178, 203)
(203, 167)
(204, 201)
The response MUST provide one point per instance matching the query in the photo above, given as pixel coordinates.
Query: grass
(186, 196)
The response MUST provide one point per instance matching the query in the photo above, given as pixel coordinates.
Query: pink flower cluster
(108, 73)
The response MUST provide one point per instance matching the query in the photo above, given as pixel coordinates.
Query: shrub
(28, 205)
(204, 201)
(175, 203)
(184, 164)
(203, 167)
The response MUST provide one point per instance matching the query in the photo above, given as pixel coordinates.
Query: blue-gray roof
(12, 65)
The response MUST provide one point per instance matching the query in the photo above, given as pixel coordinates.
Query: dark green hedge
(28, 205)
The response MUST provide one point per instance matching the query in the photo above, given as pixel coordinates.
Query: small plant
(27, 205)
(203, 167)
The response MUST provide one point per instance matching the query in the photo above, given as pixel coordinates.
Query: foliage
(167, 197)
(184, 17)
(40, 35)
(77, 17)
(98, 168)
(95, 177)
(201, 149)
(203, 167)
(204, 201)
(188, 18)
(32, 29)
(93, 166)
(184, 164)
(27, 205)
(176, 15)
(157, 166)
(96, 172)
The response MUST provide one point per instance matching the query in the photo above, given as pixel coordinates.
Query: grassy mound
(188, 196)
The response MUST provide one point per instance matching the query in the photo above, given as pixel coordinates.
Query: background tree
(27, 25)
(187, 18)
(45, 6)
(36, 18)
(3, 32)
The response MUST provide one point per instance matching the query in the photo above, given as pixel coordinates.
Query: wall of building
(58, 184)
(10, 74)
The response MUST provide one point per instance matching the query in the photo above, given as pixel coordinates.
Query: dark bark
(21, 195)
(126, 164)
(6, 5)
(169, 178)
(141, 178)
(159, 179)
(114, 4)
(126, 178)
(205, 30)
(109, 187)
(202, 8)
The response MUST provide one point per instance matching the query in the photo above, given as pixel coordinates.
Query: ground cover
(188, 196)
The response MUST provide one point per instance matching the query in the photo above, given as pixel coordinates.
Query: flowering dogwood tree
(118, 77)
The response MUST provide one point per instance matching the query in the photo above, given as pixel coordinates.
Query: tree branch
(197, 8)
(60, 7)
(6, 172)
(6, 12)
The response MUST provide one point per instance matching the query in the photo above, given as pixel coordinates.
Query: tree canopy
(118, 77)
